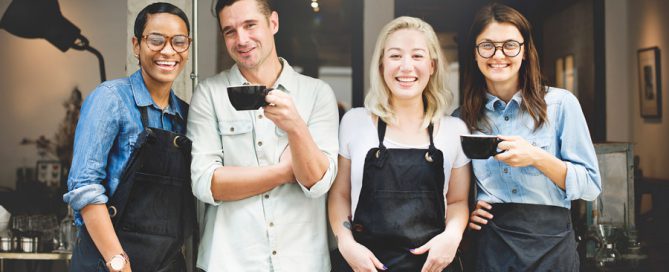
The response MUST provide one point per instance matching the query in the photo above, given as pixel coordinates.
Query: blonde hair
(436, 96)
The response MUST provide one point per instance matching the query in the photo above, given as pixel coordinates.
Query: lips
(166, 64)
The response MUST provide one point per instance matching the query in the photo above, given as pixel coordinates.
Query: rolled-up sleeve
(207, 150)
(97, 129)
(577, 151)
(324, 126)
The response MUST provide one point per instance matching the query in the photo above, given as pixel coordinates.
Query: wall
(618, 69)
(35, 77)
(647, 22)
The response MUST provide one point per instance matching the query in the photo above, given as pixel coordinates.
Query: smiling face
(406, 64)
(500, 69)
(162, 67)
(248, 33)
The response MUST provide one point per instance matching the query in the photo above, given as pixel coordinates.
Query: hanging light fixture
(35, 19)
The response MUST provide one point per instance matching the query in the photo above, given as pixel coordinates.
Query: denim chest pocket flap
(234, 127)
(540, 142)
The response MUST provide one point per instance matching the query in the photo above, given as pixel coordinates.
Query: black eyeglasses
(488, 49)
(156, 42)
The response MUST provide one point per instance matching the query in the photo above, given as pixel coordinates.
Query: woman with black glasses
(524, 194)
(129, 182)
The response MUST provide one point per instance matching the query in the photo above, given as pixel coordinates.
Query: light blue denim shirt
(108, 127)
(565, 135)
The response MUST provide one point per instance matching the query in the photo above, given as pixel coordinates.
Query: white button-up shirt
(285, 228)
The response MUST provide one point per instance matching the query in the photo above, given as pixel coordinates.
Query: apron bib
(153, 207)
(401, 204)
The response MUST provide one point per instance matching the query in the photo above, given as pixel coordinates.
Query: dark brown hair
(263, 6)
(530, 80)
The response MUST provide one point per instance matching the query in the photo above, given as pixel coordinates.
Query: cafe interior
(609, 54)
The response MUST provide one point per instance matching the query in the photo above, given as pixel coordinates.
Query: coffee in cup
(248, 97)
(480, 146)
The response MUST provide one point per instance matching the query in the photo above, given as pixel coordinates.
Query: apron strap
(381, 129)
(145, 116)
(430, 130)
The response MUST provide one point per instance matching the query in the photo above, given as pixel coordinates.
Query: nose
(499, 53)
(405, 64)
(242, 37)
(168, 49)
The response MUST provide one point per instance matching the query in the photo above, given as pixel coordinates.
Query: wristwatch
(118, 262)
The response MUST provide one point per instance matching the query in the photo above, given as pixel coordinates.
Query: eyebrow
(414, 49)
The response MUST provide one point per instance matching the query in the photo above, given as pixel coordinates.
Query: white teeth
(167, 63)
(498, 65)
(406, 79)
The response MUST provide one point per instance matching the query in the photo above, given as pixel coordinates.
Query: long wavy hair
(531, 82)
(436, 96)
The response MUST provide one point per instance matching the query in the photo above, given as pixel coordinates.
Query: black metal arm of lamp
(43, 19)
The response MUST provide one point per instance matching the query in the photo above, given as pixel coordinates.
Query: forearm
(554, 168)
(100, 228)
(339, 213)
(236, 182)
(309, 162)
(457, 218)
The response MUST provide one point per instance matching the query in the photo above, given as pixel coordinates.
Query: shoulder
(215, 80)
(310, 83)
(453, 125)
(354, 118)
(559, 96)
(111, 92)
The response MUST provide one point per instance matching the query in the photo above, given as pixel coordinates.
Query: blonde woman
(401, 166)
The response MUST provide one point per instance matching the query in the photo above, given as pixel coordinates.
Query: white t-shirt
(358, 134)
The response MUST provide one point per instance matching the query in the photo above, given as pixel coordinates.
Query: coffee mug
(480, 146)
(248, 97)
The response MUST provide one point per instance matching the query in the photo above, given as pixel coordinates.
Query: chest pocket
(235, 135)
(540, 142)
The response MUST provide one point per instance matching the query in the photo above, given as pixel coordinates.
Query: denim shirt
(107, 130)
(565, 135)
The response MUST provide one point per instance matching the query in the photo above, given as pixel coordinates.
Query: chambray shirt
(107, 130)
(565, 136)
(284, 229)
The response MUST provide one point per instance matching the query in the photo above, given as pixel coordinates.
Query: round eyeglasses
(156, 42)
(488, 49)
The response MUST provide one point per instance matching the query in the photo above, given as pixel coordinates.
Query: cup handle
(497, 141)
(264, 94)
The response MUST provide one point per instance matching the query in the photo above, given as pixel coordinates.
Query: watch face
(117, 262)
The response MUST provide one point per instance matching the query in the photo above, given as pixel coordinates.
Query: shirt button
(514, 191)
(232, 129)
(506, 170)
(506, 118)
(259, 116)
(274, 252)
(266, 196)
(271, 224)
(259, 143)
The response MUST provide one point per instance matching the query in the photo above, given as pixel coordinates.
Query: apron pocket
(154, 205)
(409, 218)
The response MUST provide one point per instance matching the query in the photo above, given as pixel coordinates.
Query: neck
(265, 74)
(408, 112)
(503, 90)
(160, 92)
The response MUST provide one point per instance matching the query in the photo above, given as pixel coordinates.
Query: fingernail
(385, 268)
(412, 250)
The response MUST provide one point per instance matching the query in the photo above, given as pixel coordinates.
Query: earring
(136, 55)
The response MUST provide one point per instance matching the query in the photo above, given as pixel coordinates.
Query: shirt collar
(285, 81)
(494, 101)
(143, 97)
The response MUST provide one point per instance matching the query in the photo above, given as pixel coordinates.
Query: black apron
(401, 204)
(527, 237)
(153, 207)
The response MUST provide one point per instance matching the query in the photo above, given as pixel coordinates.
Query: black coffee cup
(479, 147)
(248, 97)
